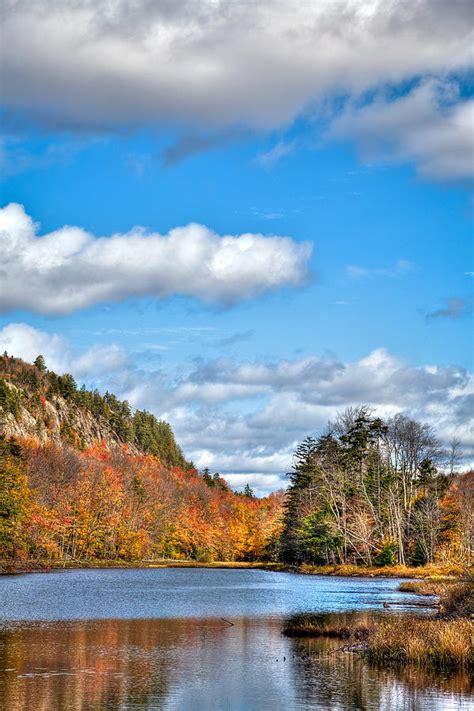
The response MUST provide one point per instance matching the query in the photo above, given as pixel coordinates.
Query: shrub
(387, 556)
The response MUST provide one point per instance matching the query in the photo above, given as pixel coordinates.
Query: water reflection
(345, 681)
(200, 664)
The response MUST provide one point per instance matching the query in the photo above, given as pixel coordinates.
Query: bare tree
(455, 455)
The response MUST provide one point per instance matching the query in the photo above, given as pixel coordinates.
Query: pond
(196, 639)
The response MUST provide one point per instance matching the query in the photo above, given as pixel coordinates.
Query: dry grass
(421, 587)
(426, 643)
(52, 564)
(307, 625)
(456, 598)
(435, 571)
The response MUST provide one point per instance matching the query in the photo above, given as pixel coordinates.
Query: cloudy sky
(243, 217)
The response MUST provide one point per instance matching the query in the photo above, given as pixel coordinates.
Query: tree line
(59, 503)
(367, 491)
(372, 491)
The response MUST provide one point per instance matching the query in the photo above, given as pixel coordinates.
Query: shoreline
(440, 641)
(445, 571)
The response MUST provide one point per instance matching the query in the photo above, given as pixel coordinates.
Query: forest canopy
(377, 492)
(367, 491)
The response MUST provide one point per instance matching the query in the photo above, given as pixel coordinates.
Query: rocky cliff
(36, 403)
(55, 420)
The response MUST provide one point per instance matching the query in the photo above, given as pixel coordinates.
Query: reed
(425, 643)
(430, 644)
(422, 587)
(456, 598)
(435, 571)
(307, 625)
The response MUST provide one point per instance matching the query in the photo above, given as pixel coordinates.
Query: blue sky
(375, 176)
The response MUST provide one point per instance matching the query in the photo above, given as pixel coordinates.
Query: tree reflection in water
(201, 664)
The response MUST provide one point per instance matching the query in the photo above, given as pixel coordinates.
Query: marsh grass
(440, 571)
(456, 598)
(44, 565)
(425, 643)
(307, 625)
(421, 587)
(433, 642)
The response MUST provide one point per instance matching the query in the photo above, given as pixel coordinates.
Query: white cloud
(90, 64)
(27, 342)
(70, 269)
(270, 158)
(297, 398)
(24, 341)
(429, 126)
(214, 69)
(100, 360)
(379, 379)
(253, 440)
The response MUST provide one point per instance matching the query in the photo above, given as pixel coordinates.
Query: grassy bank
(308, 625)
(456, 598)
(432, 572)
(429, 643)
(444, 570)
(445, 640)
(37, 566)
(432, 643)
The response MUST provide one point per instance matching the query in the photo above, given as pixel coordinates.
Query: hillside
(83, 478)
(38, 404)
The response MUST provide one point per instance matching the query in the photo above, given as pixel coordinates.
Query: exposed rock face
(58, 421)
(37, 403)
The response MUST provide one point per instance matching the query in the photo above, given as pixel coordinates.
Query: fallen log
(412, 604)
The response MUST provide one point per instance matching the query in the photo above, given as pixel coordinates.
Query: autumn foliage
(110, 505)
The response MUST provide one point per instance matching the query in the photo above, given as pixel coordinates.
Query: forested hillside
(37, 403)
(377, 492)
(82, 477)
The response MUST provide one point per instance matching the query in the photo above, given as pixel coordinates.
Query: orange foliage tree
(111, 505)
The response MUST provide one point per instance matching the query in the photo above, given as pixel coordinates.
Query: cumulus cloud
(216, 70)
(429, 126)
(100, 360)
(380, 378)
(299, 397)
(71, 269)
(24, 341)
(27, 342)
(105, 65)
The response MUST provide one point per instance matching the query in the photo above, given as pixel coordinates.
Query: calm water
(155, 639)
